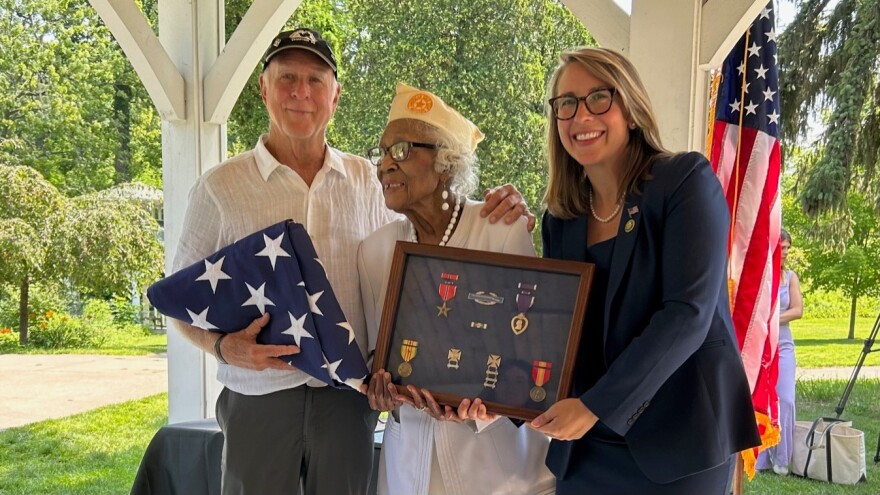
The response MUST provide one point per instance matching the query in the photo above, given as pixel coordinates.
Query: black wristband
(217, 352)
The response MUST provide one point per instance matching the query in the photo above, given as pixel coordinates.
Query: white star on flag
(313, 302)
(754, 50)
(762, 72)
(734, 106)
(273, 249)
(346, 326)
(214, 273)
(774, 118)
(750, 108)
(331, 368)
(294, 291)
(201, 320)
(771, 36)
(768, 94)
(297, 329)
(257, 298)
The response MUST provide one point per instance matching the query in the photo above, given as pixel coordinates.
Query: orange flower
(5, 330)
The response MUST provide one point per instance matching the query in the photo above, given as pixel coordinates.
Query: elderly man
(284, 429)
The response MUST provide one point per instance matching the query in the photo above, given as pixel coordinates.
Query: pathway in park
(37, 387)
(34, 387)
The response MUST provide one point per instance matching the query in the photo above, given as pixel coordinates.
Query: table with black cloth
(184, 459)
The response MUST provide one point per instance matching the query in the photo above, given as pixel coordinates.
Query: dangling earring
(445, 196)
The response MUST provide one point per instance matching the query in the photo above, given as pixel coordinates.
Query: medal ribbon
(541, 372)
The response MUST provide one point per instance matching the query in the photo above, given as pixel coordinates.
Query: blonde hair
(566, 197)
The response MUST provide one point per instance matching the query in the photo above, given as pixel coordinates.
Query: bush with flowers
(57, 330)
(8, 340)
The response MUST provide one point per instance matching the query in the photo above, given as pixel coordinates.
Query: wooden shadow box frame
(476, 324)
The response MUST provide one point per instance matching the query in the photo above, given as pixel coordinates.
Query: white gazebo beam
(231, 70)
(605, 20)
(160, 76)
(723, 23)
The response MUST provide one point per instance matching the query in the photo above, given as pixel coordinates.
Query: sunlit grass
(820, 398)
(821, 343)
(92, 453)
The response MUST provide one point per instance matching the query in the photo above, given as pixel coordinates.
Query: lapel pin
(629, 225)
(633, 210)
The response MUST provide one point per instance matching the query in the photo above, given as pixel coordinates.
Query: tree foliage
(830, 64)
(100, 243)
(69, 99)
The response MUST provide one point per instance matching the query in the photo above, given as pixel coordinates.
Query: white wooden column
(193, 34)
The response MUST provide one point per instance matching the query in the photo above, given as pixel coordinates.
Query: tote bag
(829, 449)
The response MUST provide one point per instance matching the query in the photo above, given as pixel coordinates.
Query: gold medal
(540, 375)
(404, 370)
(538, 394)
(408, 351)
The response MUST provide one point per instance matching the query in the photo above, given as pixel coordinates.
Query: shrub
(60, 330)
(8, 340)
(833, 304)
(41, 298)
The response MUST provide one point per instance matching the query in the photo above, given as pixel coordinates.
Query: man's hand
(241, 349)
(506, 202)
(568, 419)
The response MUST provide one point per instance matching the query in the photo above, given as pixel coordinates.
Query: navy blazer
(675, 388)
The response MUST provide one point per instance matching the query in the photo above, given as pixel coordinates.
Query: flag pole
(739, 468)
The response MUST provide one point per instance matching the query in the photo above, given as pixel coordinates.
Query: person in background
(660, 401)
(425, 161)
(791, 307)
(282, 428)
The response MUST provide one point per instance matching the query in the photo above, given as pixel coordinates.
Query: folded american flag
(275, 270)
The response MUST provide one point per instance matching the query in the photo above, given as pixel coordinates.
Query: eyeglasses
(597, 102)
(399, 151)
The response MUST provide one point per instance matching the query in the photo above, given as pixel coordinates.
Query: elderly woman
(425, 161)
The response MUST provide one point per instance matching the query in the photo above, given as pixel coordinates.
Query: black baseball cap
(304, 39)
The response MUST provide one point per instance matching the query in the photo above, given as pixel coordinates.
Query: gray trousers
(319, 439)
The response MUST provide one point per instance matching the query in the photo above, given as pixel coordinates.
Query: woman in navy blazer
(660, 398)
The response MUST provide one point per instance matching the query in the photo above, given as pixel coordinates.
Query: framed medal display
(475, 324)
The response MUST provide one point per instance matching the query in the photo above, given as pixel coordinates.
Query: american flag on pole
(743, 146)
(275, 270)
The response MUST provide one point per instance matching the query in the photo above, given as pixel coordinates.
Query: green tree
(853, 268)
(829, 60)
(100, 244)
(68, 97)
(27, 201)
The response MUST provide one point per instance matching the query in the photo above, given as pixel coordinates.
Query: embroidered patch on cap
(420, 103)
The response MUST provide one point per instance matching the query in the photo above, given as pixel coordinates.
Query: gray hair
(453, 159)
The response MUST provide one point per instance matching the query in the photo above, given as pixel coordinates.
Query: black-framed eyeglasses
(598, 101)
(399, 151)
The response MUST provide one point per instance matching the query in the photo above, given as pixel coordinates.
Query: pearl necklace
(415, 238)
(609, 217)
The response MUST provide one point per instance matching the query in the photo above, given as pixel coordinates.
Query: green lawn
(820, 343)
(819, 398)
(116, 345)
(92, 453)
